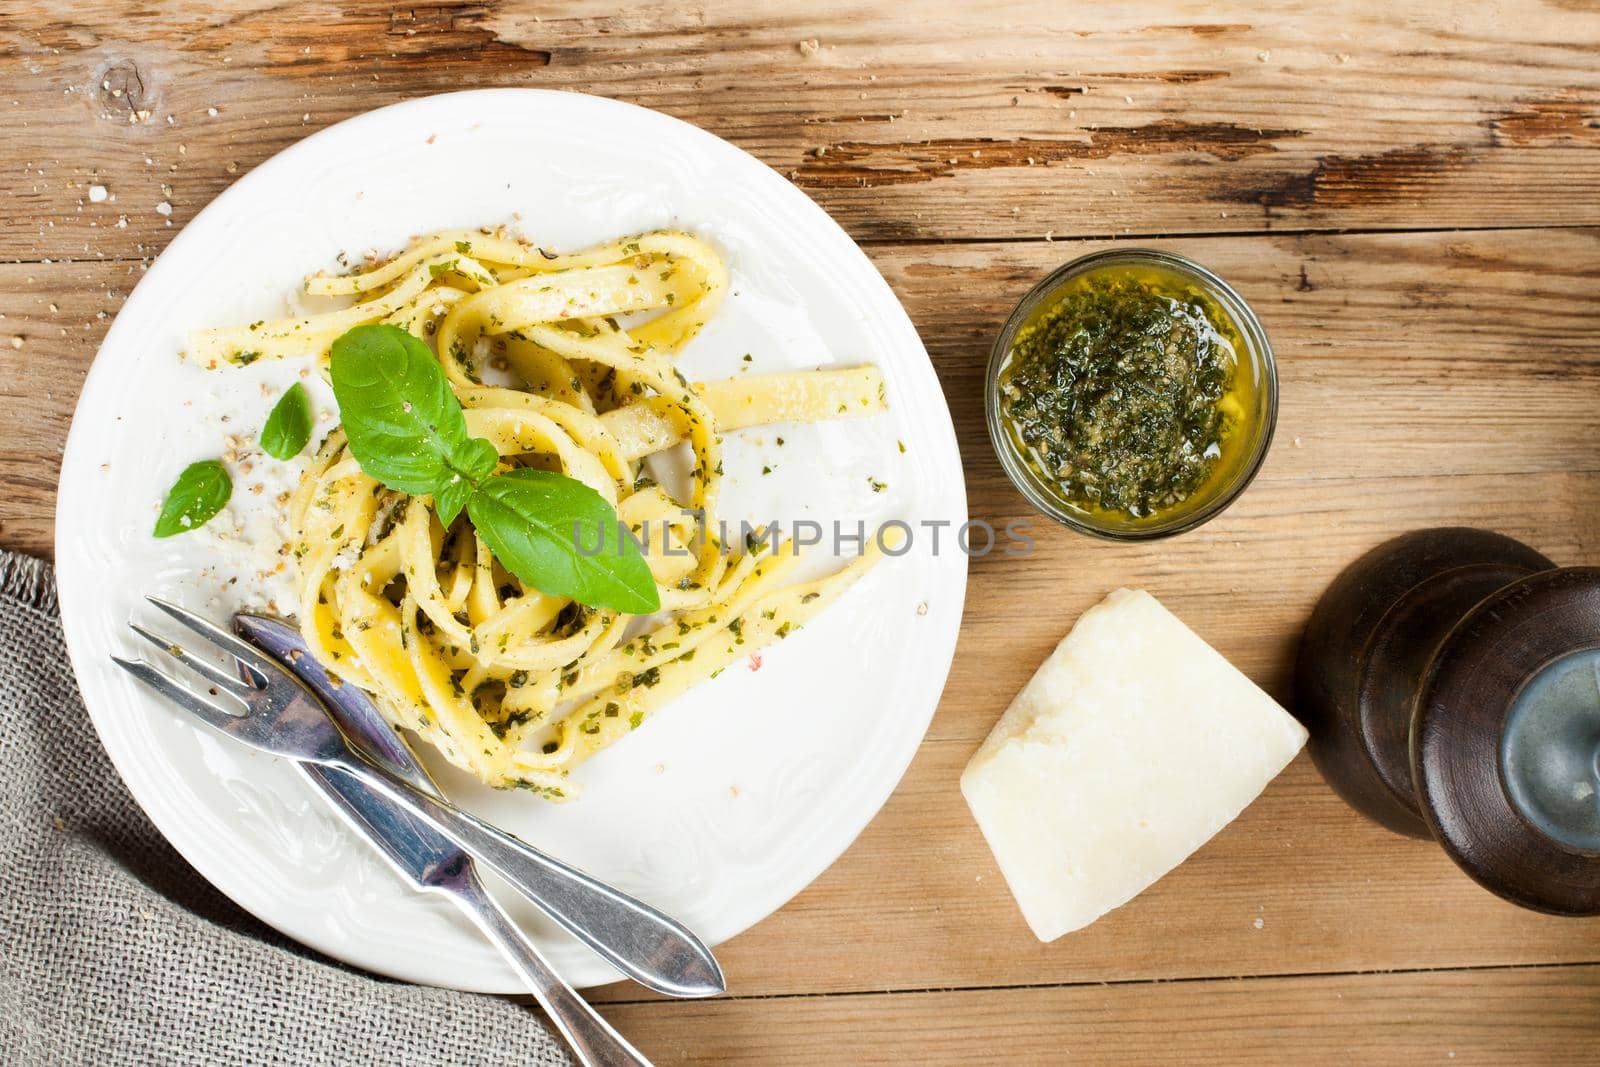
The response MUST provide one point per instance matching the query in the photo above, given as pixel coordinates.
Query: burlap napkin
(114, 951)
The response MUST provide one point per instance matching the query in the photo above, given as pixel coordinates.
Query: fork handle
(647, 946)
(593, 1040)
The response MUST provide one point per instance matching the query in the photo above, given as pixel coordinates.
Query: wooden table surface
(1409, 195)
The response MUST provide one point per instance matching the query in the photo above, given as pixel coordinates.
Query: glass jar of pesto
(1131, 395)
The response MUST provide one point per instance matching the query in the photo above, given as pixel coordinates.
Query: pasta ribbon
(515, 686)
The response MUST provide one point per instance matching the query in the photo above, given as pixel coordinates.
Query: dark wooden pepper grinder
(1450, 679)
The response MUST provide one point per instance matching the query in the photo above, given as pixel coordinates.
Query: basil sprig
(288, 427)
(200, 492)
(405, 427)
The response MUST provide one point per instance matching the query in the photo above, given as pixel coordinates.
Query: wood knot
(124, 91)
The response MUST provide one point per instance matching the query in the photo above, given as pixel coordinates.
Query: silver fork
(424, 860)
(282, 718)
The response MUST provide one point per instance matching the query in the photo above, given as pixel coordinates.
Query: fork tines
(251, 664)
(248, 656)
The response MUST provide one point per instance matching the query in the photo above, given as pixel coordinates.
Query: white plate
(733, 799)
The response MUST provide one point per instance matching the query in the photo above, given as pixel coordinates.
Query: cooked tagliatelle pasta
(511, 684)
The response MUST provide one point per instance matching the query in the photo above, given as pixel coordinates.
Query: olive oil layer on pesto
(1115, 390)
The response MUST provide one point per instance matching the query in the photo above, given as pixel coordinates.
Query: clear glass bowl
(1244, 449)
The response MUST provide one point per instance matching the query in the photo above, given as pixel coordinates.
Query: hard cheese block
(1130, 747)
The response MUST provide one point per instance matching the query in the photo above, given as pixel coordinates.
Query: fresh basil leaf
(403, 423)
(450, 498)
(477, 459)
(288, 427)
(199, 493)
(532, 521)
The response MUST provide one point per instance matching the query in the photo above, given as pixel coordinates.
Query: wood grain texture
(917, 903)
(1539, 1017)
(925, 120)
(1400, 355)
(1428, 377)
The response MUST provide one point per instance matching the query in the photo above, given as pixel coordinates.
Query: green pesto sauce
(1119, 390)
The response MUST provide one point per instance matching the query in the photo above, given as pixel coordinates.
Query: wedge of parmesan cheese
(1130, 747)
